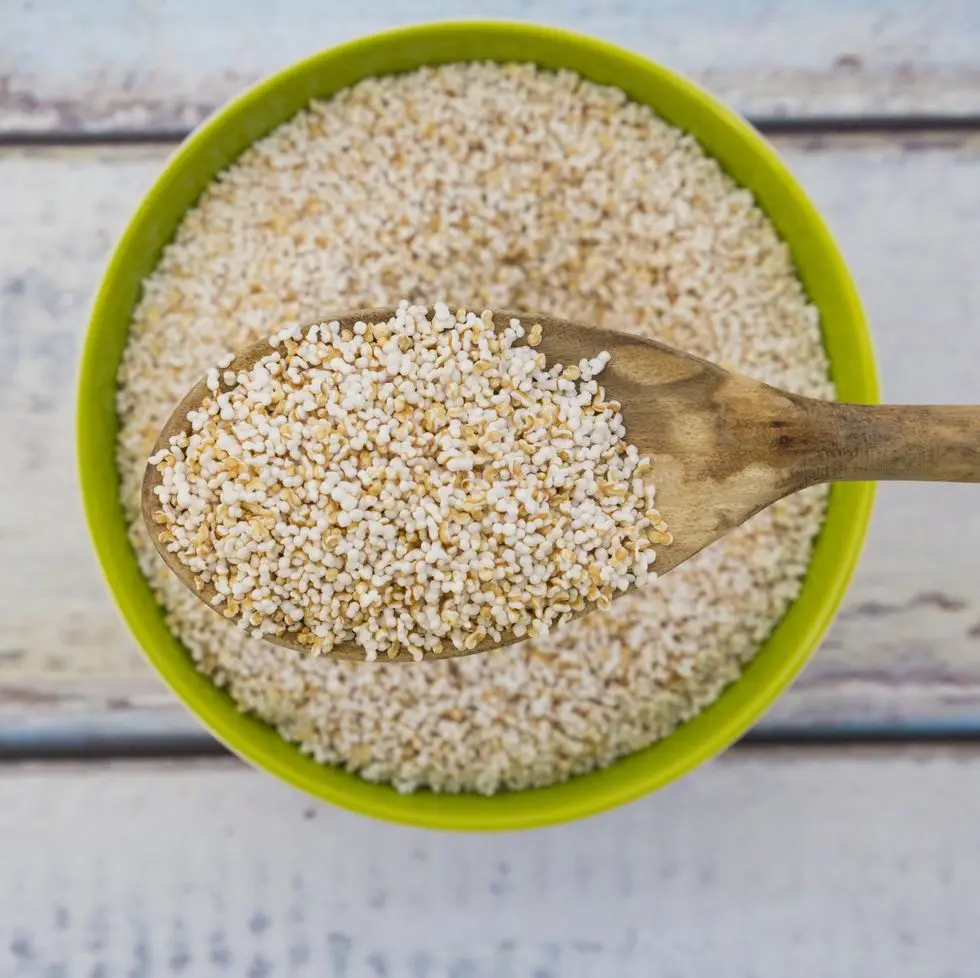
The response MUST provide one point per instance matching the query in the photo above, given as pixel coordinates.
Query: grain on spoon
(405, 486)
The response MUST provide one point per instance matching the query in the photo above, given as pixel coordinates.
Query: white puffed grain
(406, 545)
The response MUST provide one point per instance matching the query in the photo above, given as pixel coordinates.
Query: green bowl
(751, 162)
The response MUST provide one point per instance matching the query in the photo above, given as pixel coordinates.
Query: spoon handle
(897, 443)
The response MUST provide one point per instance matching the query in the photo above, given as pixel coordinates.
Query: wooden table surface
(842, 838)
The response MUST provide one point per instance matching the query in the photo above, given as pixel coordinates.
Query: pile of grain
(413, 484)
(500, 187)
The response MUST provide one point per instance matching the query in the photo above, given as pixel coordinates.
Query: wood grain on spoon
(723, 446)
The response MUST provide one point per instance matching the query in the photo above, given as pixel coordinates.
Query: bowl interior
(752, 163)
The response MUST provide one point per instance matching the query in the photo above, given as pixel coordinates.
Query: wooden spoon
(723, 446)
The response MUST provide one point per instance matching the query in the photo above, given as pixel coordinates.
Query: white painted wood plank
(904, 212)
(906, 650)
(762, 865)
(136, 65)
(59, 216)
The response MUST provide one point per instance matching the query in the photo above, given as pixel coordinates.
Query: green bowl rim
(387, 804)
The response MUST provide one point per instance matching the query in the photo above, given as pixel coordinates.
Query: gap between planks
(871, 125)
(95, 740)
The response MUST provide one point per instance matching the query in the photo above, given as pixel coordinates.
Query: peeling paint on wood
(904, 653)
(124, 66)
(795, 862)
